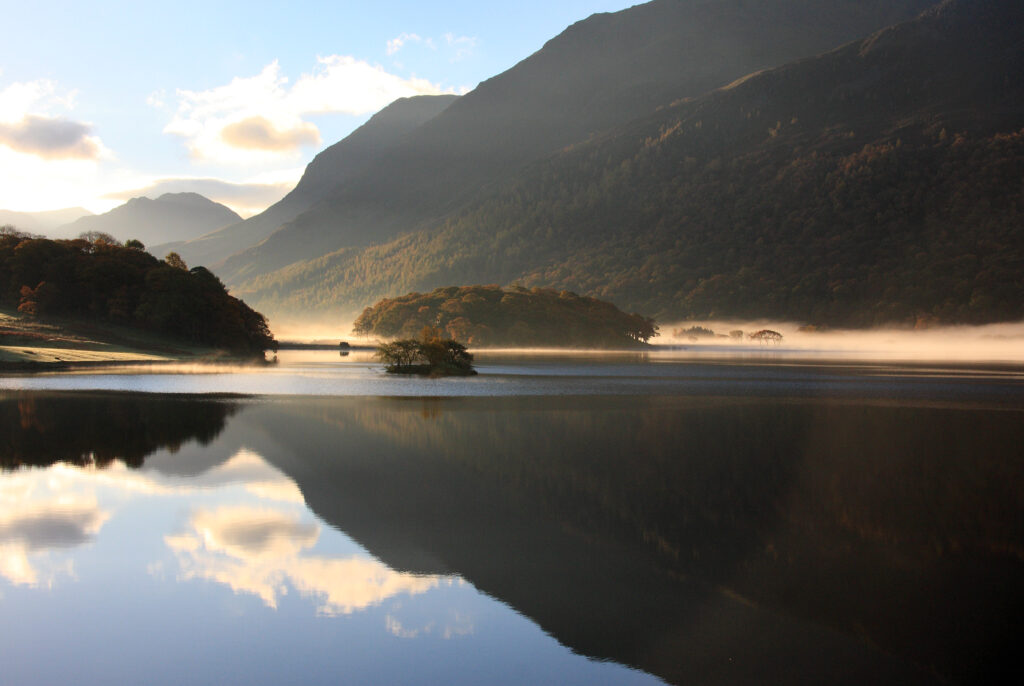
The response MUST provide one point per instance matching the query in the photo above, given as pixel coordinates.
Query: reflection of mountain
(757, 540)
(585, 514)
(41, 429)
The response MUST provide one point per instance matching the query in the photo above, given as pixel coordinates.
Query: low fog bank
(321, 328)
(989, 343)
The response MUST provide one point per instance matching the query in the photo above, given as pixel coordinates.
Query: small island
(492, 316)
(429, 355)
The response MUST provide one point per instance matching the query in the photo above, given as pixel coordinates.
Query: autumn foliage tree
(495, 316)
(96, 278)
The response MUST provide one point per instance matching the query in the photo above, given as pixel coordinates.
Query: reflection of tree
(41, 429)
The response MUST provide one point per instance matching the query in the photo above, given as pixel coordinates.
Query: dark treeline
(40, 430)
(495, 316)
(98, 279)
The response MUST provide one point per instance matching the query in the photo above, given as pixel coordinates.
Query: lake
(635, 518)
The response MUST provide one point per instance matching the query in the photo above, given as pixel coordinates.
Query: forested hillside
(103, 281)
(880, 182)
(601, 72)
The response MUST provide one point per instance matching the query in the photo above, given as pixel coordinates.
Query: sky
(108, 100)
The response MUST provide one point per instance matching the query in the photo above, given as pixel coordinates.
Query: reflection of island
(39, 429)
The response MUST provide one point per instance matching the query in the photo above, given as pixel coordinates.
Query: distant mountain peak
(168, 218)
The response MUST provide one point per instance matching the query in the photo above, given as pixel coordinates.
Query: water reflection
(30, 529)
(260, 551)
(41, 430)
(699, 538)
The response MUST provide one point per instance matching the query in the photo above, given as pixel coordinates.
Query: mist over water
(992, 343)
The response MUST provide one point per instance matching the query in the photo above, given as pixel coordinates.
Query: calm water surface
(590, 520)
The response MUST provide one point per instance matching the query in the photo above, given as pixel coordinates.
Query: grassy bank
(29, 345)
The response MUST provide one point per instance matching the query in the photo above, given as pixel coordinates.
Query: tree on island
(766, 336)
(513, 316)
(430, 355)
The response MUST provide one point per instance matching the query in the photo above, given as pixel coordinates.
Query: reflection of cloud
(458, 625)
(35, 528)
(246, 468)
(250, 533)
(259, 551)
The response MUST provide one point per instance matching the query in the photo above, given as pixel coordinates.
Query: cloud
(396, 44)
(462, 45)
(27, 125)
(50, 138)
(261, 117)
(258, 133)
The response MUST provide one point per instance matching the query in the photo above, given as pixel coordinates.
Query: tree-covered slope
(599, 73)
(101, 281)
(879, 182)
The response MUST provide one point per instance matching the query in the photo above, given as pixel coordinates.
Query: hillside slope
(599, 73)
(879, 182)
(331, 168)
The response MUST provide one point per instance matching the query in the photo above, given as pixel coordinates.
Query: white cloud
(209, 120)
(462, 45)
(28, 125)
(157, 99)
(396, 43)
(50, 138)
(258, 133)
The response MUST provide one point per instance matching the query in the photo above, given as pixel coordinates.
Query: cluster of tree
(94, 277)
(515, 316)
(878, 183)
(430, 354)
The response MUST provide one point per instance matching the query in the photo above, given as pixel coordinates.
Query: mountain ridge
(831, 189)
(329, 168)
(578, 84)
(154, 221)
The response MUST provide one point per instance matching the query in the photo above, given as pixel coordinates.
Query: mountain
(171, 217)
(599, 73)
(875, 183)
(329, 169)
(42, 222)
